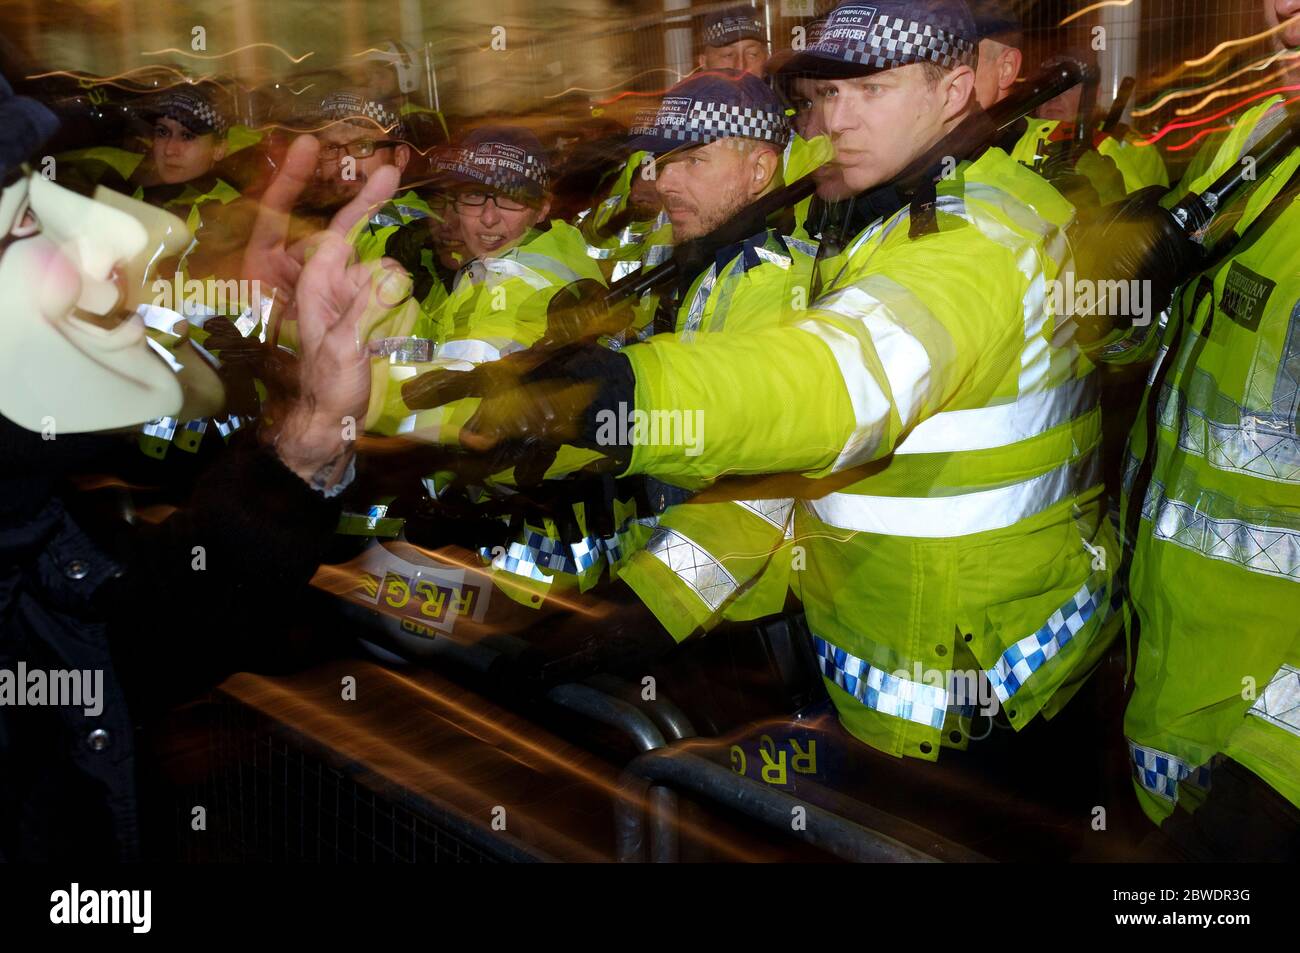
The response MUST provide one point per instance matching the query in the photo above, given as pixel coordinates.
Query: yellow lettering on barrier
(804, 762)
(737, 756)
(773, 771)
(435, 599)
(397, 591)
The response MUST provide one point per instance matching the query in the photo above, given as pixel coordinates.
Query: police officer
(956, 524)
(360, 134)
(517, 262)
(191, 128)
(185, 174)
(1212, 725)
(719, 138)
(733, 39)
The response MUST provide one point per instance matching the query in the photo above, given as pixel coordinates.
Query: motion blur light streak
(548, 755)
(387, 731)
(386, 739)
(600, 89)
(1243, 41)
(1175, 126)
(1172, 95)
(1224, 93)
(239, 49)
(1096, 6)
(1197, 138)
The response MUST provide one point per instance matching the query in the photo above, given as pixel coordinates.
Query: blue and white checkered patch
(880, 691)
(164, 428)
(1032, 652)
(1160, 772)
(228, 425)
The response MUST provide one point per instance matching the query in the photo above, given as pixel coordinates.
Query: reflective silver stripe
(722, 305)
(1271, 119)
(880, 228)
(618, 546)
(624, 268)
(945, 517)
(695, 311)
(1002, 425)
(799, 245)
(888, 314)
(1155, 364)
(1255, 547)
(773, 258)
(657, 255)
(165, 354)
(1044, 239)
(776, 512)
(595, 251)
(1257, 441)
(160, 319)
(402, 350)
(479, 270)
(1279, 705)
(1255, 447)
(870, 405)
(477, 351)
(544, 262)
(693, 565)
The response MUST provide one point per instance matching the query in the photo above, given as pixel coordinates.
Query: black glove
(1132, 240)
(560, 401)
(246, 360)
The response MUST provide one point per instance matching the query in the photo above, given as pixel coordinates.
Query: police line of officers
(899, 428)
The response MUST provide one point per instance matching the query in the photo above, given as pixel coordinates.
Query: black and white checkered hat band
(470, 165)
(709, 121)
(210, 117)
(893, 42)
(184, 108)
(369, 114)
(732, 30)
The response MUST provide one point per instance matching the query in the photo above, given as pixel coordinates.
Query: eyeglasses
(466, 200)
(361, 149)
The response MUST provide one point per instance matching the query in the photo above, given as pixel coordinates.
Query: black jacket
(85, 593)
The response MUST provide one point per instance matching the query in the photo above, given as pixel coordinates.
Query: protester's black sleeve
(221, 584)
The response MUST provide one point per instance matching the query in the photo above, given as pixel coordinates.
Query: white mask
(67, 275)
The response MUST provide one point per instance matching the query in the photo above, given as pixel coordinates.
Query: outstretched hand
(269, 258)
(330, 296)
